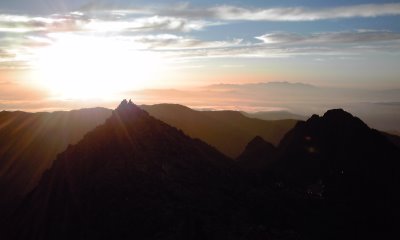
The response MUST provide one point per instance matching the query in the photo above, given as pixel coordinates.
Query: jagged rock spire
(129, 110)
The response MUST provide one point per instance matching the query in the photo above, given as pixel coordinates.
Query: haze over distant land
(280, 100)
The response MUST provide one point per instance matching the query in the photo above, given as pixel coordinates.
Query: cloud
(21, 35)
(228, 51)
(166, 29)
(54, 23)
(181, 18)
(354, 37)
(106, 22)
(175, 42)
(5, 55)
(231, 12)
(152, 23)
(228, 12)
(281, 37)
(255, 50)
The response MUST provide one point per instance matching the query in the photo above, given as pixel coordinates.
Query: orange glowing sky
(53, 53)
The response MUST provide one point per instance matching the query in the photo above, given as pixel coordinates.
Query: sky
(56, 51)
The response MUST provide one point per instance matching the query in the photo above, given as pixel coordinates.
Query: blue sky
(58, 46)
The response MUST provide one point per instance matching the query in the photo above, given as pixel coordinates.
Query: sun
(77, 67)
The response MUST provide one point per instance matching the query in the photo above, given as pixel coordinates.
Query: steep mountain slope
(132, 177)
(347, 174)
(29, 142)
(338, 140)
(228, 131)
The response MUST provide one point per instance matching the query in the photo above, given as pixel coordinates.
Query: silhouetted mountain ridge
(335, 132)
(331, 177)
(133, 176)
(29, 142)
(351, 168)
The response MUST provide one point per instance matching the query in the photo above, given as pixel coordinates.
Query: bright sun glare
(86, 68)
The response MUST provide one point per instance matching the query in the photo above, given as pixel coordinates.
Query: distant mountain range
(378, 108)
(136, 177)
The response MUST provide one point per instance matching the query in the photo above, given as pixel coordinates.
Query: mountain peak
(125, 105)
(257, 145)
(342, 118)
(136, 169)
(337, 118)
(338, 113)
(257, 154)
(129, 109)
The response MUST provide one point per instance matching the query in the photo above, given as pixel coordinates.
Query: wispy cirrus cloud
(53, 23)
(228, 12)
(150, 23)
(21, 35)
(354, 37)
(175, 42)
(106, 22)
(166, 30)
(232, 12)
